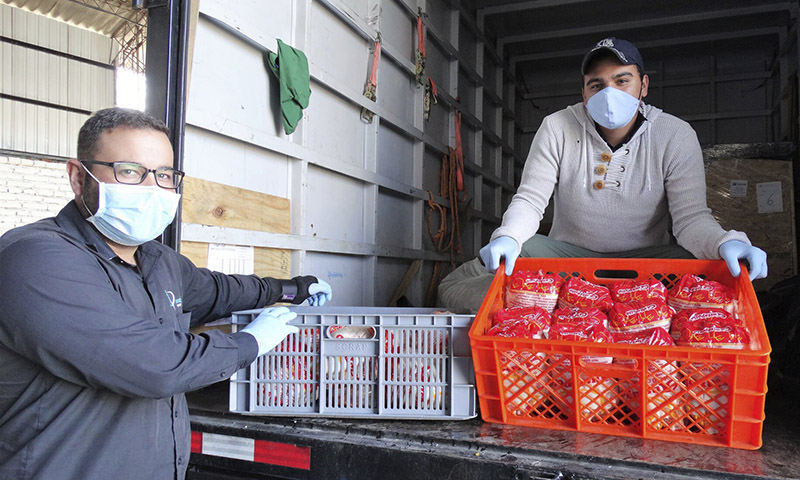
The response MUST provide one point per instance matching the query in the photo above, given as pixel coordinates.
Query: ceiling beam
(655, 22)
(530, 5)
(755, 32)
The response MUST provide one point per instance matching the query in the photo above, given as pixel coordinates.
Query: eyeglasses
(132, 173)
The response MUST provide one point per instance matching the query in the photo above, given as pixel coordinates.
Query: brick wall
(31, 190)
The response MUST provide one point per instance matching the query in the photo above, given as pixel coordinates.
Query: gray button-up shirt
(96, 354)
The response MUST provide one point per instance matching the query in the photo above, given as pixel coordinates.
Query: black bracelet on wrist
(288, 291)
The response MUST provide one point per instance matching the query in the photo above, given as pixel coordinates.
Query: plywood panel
(772, 232)
(268, 262)
(210, 203)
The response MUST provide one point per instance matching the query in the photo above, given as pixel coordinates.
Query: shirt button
(599, 185)
(221, 374)
(161, 321)
(600, 169)
(177, 414)
(605, 156)
(180, 460)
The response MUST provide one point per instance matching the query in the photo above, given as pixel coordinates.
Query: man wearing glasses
(95, 349)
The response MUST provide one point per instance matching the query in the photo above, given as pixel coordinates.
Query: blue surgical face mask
(612, 108)
(132, 214)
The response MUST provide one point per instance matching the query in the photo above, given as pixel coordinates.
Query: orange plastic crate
(694, 395)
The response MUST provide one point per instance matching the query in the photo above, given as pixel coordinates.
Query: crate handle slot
(350, 332)
(622, 364)
(615, 274)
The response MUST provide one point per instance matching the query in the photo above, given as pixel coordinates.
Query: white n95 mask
(612, 108)
(133, 214)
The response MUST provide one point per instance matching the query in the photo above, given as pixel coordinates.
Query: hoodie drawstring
(586, 157)
(647, 158)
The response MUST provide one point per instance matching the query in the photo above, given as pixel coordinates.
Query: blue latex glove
(320, 292)
(500, 248)
(270, 328)
(733, 250)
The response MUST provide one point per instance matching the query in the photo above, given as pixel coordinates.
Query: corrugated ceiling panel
(65, 83)
(49, 78)
(45, 32)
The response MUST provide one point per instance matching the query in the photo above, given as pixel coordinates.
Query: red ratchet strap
(434, 90)
(420, 34)
(420, 61)
(376, 58)
(459, 153)
(370, 91)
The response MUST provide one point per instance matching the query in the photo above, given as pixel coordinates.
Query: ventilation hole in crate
(287, 375)
(350, 381)
(706, 392)
(416, 368)
(597, 398)
(537, 385)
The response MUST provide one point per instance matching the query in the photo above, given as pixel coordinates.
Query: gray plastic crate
(408, 363)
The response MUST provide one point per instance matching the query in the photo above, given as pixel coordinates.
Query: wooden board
(210, 203)
(215, 204)
(268, 262)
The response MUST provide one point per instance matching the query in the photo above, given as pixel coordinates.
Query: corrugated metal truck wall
(357, 191)
(52, 75)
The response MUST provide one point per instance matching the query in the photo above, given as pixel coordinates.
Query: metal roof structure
(541, 36)
(114, 18)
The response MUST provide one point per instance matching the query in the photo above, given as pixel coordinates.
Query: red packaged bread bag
(693, 292)
(581, 325)
(638, 316)
(520, 322)
(712, 332)
(694, 315)
(626, 291)
(533, 289)
(580, 315)
(579, 293)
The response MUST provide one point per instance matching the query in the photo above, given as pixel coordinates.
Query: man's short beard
(89, 196)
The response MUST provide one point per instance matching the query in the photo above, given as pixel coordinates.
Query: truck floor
(473, 449)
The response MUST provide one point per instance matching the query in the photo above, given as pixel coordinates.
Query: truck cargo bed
(471, 449)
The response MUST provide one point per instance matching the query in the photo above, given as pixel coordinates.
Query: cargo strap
(459, 153)
(451, 187)
(370, 91)
(438, 237)
(431, 98)
(420, 65)
(445, 240)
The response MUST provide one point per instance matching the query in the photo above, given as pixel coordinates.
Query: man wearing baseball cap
(626, 179)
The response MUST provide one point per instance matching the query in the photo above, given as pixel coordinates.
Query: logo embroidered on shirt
(173, 302)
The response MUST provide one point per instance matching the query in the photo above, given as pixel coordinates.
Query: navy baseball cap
(624, 50)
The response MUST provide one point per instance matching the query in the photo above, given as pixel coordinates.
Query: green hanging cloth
(290, 67)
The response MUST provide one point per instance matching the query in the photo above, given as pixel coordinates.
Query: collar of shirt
(73, 223)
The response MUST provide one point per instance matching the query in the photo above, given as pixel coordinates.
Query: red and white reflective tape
(251, 450)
